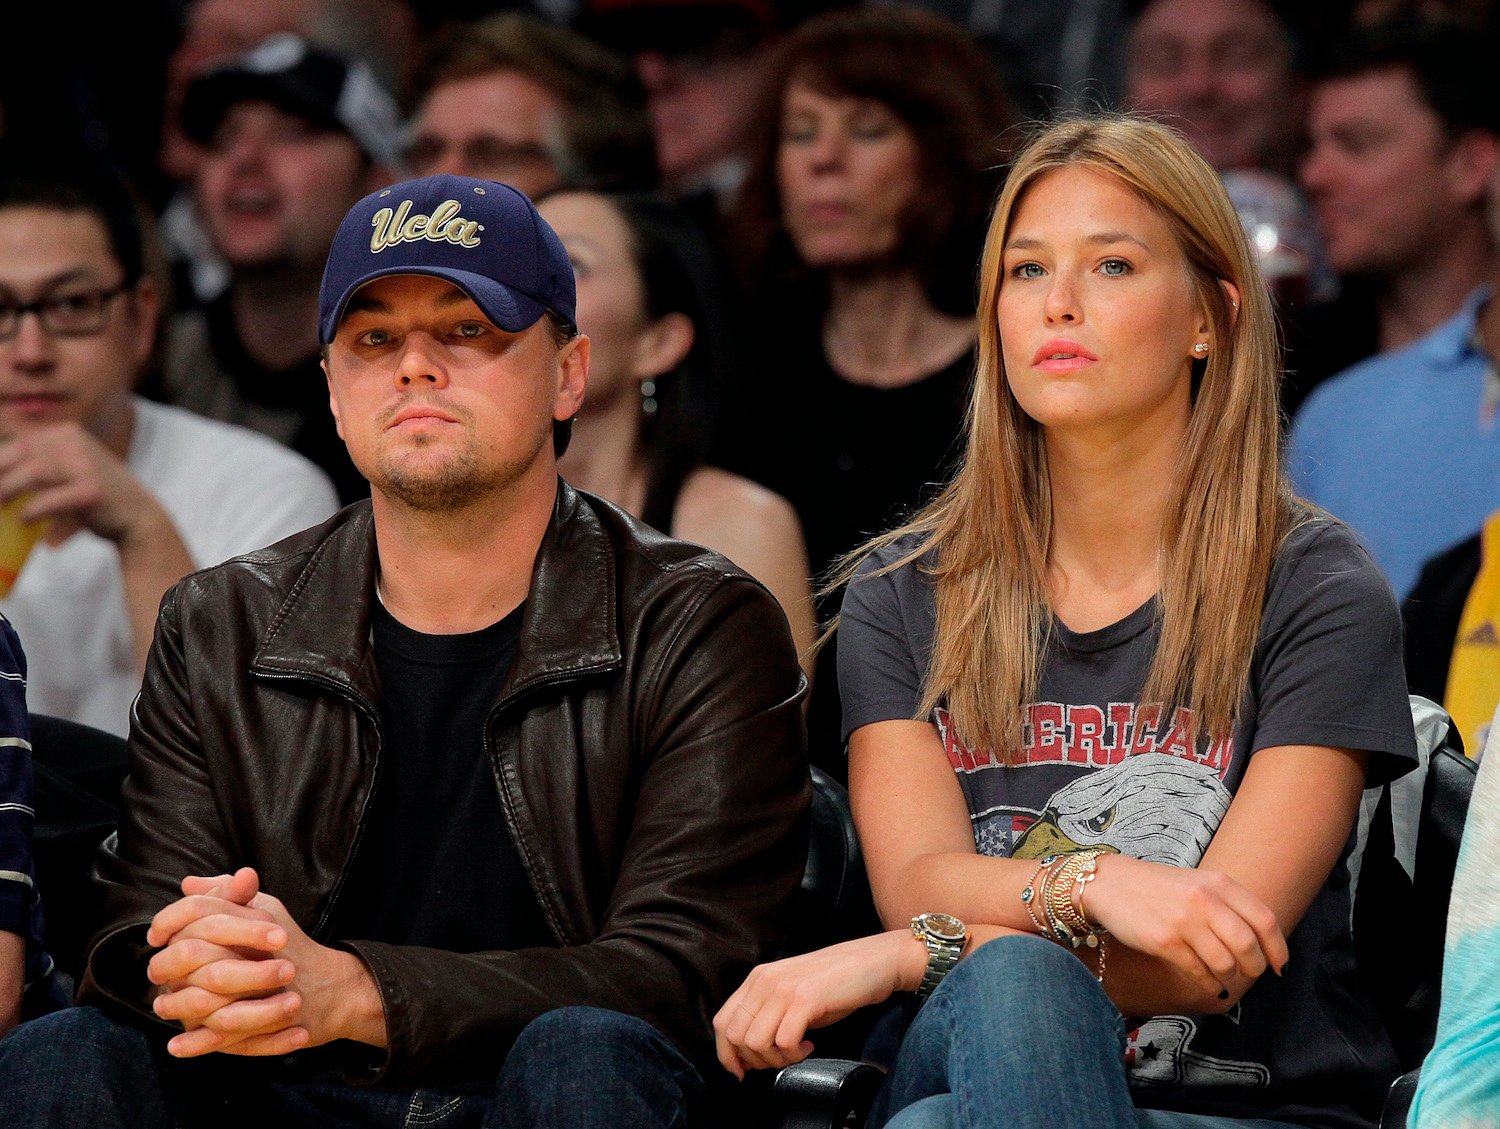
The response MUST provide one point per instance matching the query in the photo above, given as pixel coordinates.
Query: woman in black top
(858, 227)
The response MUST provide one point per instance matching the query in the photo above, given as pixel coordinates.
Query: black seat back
(1405, 879)
(78, 771)
(834, 903)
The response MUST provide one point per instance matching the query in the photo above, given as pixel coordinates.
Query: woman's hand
(764, 1023)
(1202, 922)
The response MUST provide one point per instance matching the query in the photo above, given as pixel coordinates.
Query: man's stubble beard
(454, 484)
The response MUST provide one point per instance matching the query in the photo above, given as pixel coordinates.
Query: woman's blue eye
(1115, 267)
(1026, 270)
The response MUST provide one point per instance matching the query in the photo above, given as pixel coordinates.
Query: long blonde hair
(1228, 507)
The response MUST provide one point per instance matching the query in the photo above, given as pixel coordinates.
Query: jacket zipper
(507, 805)
(373, 715)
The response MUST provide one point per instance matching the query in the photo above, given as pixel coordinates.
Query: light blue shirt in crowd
(1405, 447)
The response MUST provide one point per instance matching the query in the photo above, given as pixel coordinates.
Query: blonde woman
(1111, 701)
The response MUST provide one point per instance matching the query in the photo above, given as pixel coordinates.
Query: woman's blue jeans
(1055, 1059)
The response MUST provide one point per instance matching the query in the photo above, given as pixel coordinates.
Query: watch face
(944, 926)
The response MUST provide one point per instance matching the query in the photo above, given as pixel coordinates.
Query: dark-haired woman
(645, 300)
(859, 225)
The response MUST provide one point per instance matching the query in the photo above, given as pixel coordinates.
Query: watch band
(945, 937)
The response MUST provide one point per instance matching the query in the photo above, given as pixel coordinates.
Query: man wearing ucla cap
(479, 788)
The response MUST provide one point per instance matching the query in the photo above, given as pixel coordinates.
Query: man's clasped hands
(243, 978)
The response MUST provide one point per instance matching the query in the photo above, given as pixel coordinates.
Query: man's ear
(145, 296)
(333, 401)
(662, 345)
(573, 377)
(1471, 164)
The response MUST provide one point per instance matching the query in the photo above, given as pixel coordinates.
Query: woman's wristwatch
(945, 937)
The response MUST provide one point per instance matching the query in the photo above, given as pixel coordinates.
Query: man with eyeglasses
(533, 105)
(134, 494)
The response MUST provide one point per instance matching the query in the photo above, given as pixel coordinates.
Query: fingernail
(276, 937)
(286, 972)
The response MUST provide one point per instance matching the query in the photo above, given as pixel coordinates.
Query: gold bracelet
(1067, 924)
(1050, 906)
(1087, 872)
(1064, 899)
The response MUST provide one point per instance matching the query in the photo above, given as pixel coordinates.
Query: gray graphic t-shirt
(1102, 768)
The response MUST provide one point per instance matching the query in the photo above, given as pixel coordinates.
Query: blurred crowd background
(774, 209)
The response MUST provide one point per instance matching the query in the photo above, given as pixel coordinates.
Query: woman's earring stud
(1201, 348)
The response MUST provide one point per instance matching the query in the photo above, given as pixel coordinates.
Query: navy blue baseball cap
(483, 236)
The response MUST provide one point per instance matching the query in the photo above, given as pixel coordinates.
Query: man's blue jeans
(576, 1067)
(1060, 1068)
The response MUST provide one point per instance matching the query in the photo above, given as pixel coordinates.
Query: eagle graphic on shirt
(1151, 806)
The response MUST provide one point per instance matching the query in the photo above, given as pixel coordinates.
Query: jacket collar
(569, 628)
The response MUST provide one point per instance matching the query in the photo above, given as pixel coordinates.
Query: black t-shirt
(1102, 768)
(436, 864)
(853, 459)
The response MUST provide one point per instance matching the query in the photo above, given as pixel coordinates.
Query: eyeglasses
(77, 313)
(485, 153)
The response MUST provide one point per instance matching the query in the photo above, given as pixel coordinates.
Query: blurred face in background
(274, 187)
(214, 31)
(1387, 181)
(701, 104)
(83, 368)
(500, 125)
(626, 345)
(611, 299)
(1222, 70)
(848, 172)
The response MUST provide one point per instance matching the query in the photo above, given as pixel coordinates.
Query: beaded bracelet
(1063, 885)
(1030, 893)
(1088, 870)
(1066, 926)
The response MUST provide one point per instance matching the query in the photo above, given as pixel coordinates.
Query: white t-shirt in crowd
(228, 489)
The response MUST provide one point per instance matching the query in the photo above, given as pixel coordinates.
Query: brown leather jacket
(648, 749)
